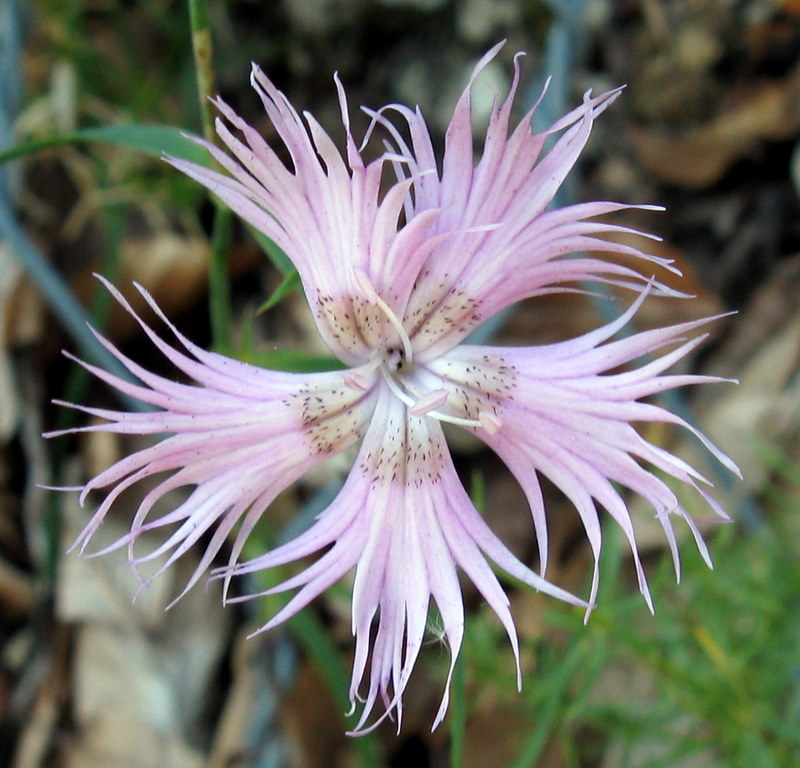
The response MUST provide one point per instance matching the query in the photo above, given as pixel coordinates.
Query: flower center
(397, 368)
(424, 401)
(395, 359)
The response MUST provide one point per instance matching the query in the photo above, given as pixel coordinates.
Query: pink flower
(396, 280)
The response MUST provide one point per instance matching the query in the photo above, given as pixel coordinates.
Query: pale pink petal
(498, 207)
(236, 437)
(564, 416)
(327, 214)
(405, 523)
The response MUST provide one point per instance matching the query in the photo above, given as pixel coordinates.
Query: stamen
(474, 423)
(363, 283)
(429, 402)
(395, 387)
(356, 381)
(490, 422)
(412, 404)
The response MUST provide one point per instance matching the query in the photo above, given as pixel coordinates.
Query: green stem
(202, 50)
(551, 707)
(218, 278)
(219, 285)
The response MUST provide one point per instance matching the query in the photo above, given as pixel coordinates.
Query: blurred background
(708, 126)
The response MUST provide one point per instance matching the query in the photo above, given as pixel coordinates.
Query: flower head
(396, 279)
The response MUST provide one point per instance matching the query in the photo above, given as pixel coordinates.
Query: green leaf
(274, 252)
(154, 140)
(288, 284)
(294, 360)
(552, 687)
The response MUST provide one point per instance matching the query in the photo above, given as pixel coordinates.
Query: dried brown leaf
(700, 156)
(142, 676)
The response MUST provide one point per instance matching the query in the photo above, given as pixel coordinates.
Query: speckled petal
(237, 437)
(497, 243)
(565, 417)
(405, 523)
(328, 214)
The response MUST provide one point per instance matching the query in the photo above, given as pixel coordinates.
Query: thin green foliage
(458, 712)
(219, 288)
(711, 677)
(289, 284)
(274, 252)
(292, 360)
(281, 358)
(153, 140)
(550, 691)
(203, 54)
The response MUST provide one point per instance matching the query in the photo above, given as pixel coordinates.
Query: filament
(362, 281)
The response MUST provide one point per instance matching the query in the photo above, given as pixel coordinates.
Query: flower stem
(219, 287)
(218, 278)
(202, 51)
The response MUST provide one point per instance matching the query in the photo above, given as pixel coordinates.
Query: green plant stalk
(287, 285)
(219, 286)
(218, 278)
(154, 140)
(202, 50)
(554, 687)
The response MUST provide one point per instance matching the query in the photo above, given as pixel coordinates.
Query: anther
(429, 402)
(356, 381)
(490, 422)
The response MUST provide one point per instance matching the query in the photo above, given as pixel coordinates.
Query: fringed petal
(497, 243)
(396, 276)
(236, 438)
(561, 414)
(405, 523)
(326, 212)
